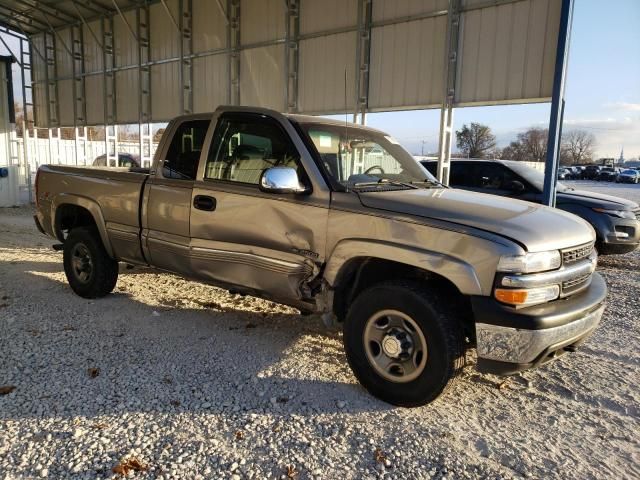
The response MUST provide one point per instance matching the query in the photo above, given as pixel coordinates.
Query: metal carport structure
(113, 62)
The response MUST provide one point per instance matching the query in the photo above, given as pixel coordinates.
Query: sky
(602, 91)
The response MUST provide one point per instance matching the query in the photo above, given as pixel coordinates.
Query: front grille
(576, 254)
(575, 283)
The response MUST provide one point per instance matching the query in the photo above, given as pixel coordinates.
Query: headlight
(528, 296)
(530, 262)
(616, 213)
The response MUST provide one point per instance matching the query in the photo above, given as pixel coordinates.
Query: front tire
(90, 271)
(403, 343)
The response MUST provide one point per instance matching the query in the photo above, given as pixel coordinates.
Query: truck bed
(113, 194)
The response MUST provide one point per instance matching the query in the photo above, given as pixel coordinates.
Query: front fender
(88, 204)
(460, 273)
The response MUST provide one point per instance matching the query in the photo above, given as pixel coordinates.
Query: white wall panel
(65, 102)
(261, 20)
(262, 77)
(165, 91)
(94, 85)
(209, 26)
(92, 50)
(125, 45)
(64, 61)
(210, 82)
(407, 61)
(508, 52)
(321, 78)
(127, 96)
(326, 15)
(164, 36)
(39, 90)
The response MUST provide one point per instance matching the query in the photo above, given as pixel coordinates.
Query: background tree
(475, 140)
(577, 147)
(529, 146)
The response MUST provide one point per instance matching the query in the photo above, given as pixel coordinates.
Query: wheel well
(363, 272)
(70, 216)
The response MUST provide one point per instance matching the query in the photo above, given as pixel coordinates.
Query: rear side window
(181, 161)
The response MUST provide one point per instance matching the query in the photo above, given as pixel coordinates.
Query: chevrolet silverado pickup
(339, 220)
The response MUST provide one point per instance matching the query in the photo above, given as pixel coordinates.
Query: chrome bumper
(521, 346)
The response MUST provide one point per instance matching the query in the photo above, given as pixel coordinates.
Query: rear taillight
(36, 186)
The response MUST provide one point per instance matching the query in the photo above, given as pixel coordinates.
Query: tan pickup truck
(340, 220)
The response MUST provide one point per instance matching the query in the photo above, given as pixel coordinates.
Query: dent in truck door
(168, 197)
(262, 241)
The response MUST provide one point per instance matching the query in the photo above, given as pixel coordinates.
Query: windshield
(533, 176)
(629, 172)
(355, 157)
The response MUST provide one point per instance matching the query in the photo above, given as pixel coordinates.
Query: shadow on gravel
(116, 355)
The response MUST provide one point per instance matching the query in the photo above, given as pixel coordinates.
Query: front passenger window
(182, 158)
(246, 145)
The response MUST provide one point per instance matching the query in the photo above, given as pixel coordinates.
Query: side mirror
(281, 180)
(515, 186)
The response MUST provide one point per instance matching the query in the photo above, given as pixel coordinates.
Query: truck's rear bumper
(510, 340)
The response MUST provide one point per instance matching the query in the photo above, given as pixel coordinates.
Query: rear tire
(90, 271)
(413, 318)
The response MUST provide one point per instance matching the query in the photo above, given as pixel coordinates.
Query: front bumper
(510, 340)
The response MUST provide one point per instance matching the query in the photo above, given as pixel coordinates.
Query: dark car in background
(591, 172)
(564, 174)
(615, 220)
(129, 160)
(629, 176)
(608, 174)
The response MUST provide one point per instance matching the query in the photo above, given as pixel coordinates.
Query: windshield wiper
(428, 182)
(384, 181)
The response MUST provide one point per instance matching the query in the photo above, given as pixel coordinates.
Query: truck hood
(595, 200)
(536, 227)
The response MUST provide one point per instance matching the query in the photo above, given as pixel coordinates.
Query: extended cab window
(182, 158)
(245, 145)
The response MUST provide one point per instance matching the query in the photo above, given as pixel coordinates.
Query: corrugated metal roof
(33, 16)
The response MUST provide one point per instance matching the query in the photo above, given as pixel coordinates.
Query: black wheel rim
(81, 262)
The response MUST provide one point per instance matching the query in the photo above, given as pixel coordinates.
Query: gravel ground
(194, 382)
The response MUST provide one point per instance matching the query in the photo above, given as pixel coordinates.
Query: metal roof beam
(29, 20)
(48, 9)
(84, 22)
(173, 20)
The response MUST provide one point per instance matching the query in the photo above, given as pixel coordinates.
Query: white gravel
(197, 383)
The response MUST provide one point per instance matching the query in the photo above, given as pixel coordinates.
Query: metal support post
(186, 48)
(363, 54)
(79, 96)
(448, 101)
(109, 87)
(293, 30)
(27, 88)
(80, 145)
(557, 105)
(51, 88)
(144, 70)
(233, 9)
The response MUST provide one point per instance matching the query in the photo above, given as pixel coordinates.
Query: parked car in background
(608, 174)
(629, 176)
(128, 160)
(563, 174)
(574, 173)
(591, 172)
(615, 220)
